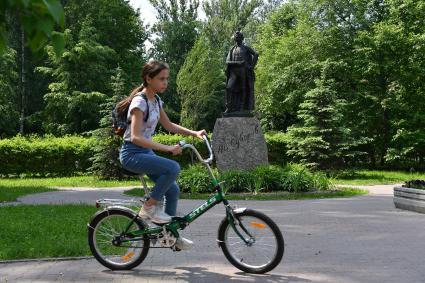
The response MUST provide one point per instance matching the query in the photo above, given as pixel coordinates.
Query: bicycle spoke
(266, 245)
(105, 241)
(105, 234)
(236, 243)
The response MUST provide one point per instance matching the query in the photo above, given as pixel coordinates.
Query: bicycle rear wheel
(108, 243)
(265, 246)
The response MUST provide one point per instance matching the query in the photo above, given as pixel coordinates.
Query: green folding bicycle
(120, 240)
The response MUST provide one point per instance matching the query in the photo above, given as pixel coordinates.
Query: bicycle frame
(179, 223)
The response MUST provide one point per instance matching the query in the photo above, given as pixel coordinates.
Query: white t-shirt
(148, 127)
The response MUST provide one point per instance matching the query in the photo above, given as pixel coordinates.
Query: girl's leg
(167, 171)
(171, 199)
(171, 196)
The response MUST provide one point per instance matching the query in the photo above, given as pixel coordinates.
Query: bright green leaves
(39, 18)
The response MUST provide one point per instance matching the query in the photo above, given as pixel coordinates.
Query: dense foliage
(367, 56)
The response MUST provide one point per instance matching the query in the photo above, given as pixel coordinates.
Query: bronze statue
(240, 64)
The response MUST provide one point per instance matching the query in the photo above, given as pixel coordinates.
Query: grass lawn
(341, 192)
(11, 193)
(76, 181)
(359, 177)
(28, 231)
(370, 177)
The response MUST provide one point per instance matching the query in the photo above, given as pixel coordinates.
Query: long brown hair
(151, 69)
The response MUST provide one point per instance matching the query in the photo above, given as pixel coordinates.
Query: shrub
(195, 179)
(237, 181)
(415, 184)
(65, 156)
(291, 178)
(45, 155)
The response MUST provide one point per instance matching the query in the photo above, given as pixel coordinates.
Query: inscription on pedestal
(238, 143)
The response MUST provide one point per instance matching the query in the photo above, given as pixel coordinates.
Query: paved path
(348, 240)
(90, 195)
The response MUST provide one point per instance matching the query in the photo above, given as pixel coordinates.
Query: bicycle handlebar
(184, 145)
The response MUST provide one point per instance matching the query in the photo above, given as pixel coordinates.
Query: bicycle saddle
(128, 173)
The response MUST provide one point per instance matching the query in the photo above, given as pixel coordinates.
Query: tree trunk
(22, 118)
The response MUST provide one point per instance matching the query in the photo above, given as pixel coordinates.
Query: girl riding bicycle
(137, 155)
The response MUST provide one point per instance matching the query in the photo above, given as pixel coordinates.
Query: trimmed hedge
(276, 145)
(46, 156)
(69, 155)
(290, 178)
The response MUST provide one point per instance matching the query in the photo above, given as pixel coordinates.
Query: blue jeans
(160, 170)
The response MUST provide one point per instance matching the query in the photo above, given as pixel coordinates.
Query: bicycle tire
(259, 220)
(133, 257)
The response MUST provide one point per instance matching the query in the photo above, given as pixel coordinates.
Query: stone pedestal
(238, 143)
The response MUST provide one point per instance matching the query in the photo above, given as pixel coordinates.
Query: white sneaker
(155, 214)
(183, 244)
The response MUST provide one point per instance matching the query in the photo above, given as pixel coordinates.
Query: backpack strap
(147, 107)
(158, 100)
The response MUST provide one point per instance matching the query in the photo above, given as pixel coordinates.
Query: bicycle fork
(235, 222)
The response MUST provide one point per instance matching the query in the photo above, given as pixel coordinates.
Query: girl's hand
(175, 149)
(199, 134)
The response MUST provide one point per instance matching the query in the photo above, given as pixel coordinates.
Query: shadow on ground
(204, 275)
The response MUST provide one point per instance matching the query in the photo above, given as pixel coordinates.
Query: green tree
(38, 19)
(118, 26)
(175, 34)
(106, 164)
(371, 38)
(73, 103)
(320, 140)
(9, 115)
(407, 83)
(290, 50)
(30, 85)
(101, 35)
(201, 82)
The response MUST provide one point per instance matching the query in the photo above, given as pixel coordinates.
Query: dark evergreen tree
(106, 164)
(76, 93)
(320, 140)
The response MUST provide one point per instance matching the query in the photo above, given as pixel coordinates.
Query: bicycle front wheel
(109, 244)
(263, 247)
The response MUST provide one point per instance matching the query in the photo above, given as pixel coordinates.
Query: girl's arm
(174, 128)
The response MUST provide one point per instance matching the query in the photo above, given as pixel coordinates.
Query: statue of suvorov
(240, 64)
